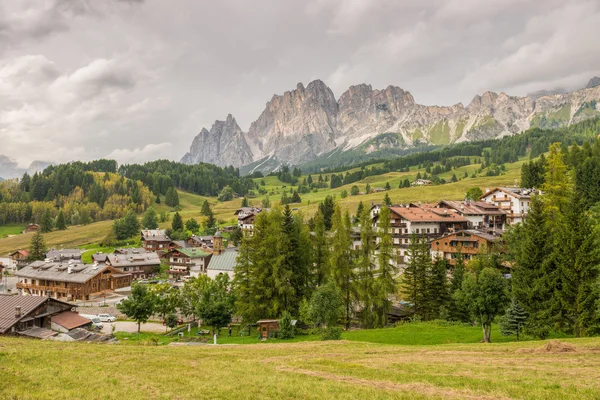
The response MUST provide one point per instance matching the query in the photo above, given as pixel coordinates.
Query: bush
(286, 329)
(332, 333)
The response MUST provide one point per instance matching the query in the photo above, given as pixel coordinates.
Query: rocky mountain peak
(595, 81)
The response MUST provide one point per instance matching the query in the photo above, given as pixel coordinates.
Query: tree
(167, 300)
(286, 328)
(385, 284)
(437, 286)
(171, 197)
(206, 211)
(415, 275)
(295, 198)
(150, 220)
(457, 311)
(327, 208)
(46, 225)
(340, 261)
(37, 247)
(245, 202)
(386, 200)
(326, 305)
(217, 303)
(177, 223)
(235, 237)
(387, 186)
(61, 223)
(320, 251)
(359, 211)
(368, 189)
(127, 226)
(514, 320)
(485, 297)
(344, 194)
(171, 321)
(139, 306)
(266, 203)
(366, 273)
(354, 190)
(226, 194)
(474, 193)
(192, 225)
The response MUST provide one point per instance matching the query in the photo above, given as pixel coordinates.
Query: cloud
(140, 154)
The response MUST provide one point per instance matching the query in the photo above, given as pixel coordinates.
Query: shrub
(286, 329)
(332, 333)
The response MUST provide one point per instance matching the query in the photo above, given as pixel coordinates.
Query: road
(131, 327)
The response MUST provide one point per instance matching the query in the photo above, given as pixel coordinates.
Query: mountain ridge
(301, 124)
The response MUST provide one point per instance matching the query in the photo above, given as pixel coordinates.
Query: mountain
(595, 81)
(9, 168)
(308, 122)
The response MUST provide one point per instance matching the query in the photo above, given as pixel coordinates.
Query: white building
(222, 263)
(515, 201)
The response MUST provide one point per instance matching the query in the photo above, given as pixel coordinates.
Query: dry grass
(311, 370)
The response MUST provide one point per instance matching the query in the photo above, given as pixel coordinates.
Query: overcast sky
(136, 80)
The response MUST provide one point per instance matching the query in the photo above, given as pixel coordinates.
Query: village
(63, 298)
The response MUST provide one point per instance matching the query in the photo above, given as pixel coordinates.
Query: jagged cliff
(306, 122)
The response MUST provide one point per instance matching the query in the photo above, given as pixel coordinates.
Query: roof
(8, 303)
(225, 261)
(24, 253)
(193, 252)
(70, 320)
(474, 232)
(155, 234)
(247, 210)
(472, 207)
(133, 259)
(64, 253)
(131, 250)
(416, 215)
(99, 257)
(521, 193)
(59, 271)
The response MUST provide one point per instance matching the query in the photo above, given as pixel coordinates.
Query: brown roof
(414, 214)
(70, 320)
(472, 207)
(24, 253)
(8, 303)
(521, 193)
(63, 272)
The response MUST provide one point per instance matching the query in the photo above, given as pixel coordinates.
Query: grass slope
(309, 370)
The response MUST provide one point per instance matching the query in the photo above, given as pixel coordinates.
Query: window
(427, 230)
(435, 230)
(417, 230)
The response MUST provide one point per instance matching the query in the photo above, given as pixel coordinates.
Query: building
(203, 242)
(268, 328)
(421, 182)
(468, 242)
(428, 223)
(70, 281)
(246, 217)
(515, 201)
(481, 215)
(137, 262)
(21, 313)
(155, 240)
(20, 257)
(222, 263)
(182, 260)
(64, 255)
(68, 320)
(32, 228)
(7, 263)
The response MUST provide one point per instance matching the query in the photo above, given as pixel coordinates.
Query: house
(481, 215)
(246, 216)
(468, 242)
(137, 262)
(428, 223)
(515, 201)
(421, 182)
(67, 321)
(223, 262)
(20, 257)
(71, 281)
(205, 242)
(155, 240)
(178, 244)
(182, 260)
(32, 228)
(21, 313)
(64, 255)
(7, 263)
(377, 190)
(268, 328)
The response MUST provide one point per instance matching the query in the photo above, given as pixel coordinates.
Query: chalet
(20, 257)
(71, 281)
(178, 244)
(421, 182)
(64, 255)
(424, 222)
(7, 263)
(32, 228)
(18, 314)
(246, 216)
(469, 243)
(204, 242)
(481, 215)
(515, 201)
(222, 263)
(137, 262)
(182, 260)
(155, 240)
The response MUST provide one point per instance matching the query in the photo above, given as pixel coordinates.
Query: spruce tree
(150, 220)
(359, 210)
(37, 247)
(341, 261)
(385, 283)
(415, 276)
(387, 186)
(206, 211)
(46, 224)
(386, 200)
(177, 223)
(458, 313)
(366, 272)
(171, 197)
(61, 223)
(437, 287)
(320, 251)
(514, 320)
(245, 202)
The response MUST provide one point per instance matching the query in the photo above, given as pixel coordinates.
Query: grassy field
(11, 229)
(224, 211)
(32, 369)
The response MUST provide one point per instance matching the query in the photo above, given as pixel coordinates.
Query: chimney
(18, 312)
(69, 270)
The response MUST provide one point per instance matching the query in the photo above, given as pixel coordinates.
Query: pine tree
(150, 220)
(368, 189)
(366, 272)
(387, 186)
(171, 197)
(438, 295)
(192, 225)
(244, 282)
(206, 211)
(327, 207)
(157, 200)
(61, 223)
(37, 247)
(386, 200)
(294, 261)
(321, 251)
(514, 320)
(46, 224)
(458, 313)
(177, 223)
(415, 276)
(245, 202)
(295, 198)
(385, 284)
(340, 261)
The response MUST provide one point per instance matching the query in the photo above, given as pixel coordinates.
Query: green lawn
(11, 229)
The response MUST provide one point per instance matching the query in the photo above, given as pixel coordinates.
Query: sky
(136, 80)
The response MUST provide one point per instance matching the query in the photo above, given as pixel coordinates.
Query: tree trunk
(139, 326)
(487, 331)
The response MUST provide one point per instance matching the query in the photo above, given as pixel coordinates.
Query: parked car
(96, 323)
(106, 318)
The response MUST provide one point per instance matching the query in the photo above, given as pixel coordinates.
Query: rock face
(307, 122)
(595, 81)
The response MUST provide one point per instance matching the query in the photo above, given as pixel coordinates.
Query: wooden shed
(267, 328)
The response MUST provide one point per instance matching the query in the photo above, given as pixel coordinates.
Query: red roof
(24, 253)
(414, 214)
(70, 320)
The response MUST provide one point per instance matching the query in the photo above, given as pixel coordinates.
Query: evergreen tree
(266, 203)
(171, 197)
(150, 220)
(386, 200)
(177, 223)
(414, 278)
(245, 202)
(206, 211)
(244, 278)
(458, 313)
(514, 320)
(437, 286)
(46, 224)
(37, 247)
(387, 186)
(61, 223)
(320, 250)
(341, 261)
(157, 200)
(385, 284)
(368, 189)
(366, 273)
(327, 208)
(192, 225)
(359, 211)
(295, 198)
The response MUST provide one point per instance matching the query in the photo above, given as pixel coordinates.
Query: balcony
(44, 288)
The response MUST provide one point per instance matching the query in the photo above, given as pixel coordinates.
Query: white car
(106, 318)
